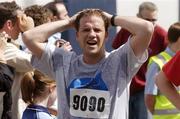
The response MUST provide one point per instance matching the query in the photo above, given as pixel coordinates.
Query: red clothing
(158, 44)
(172, 69)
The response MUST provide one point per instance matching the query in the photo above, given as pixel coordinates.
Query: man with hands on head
(95, 83)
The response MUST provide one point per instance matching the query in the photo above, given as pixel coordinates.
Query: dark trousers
(137, 108)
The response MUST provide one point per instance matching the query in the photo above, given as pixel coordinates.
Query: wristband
(112, 20)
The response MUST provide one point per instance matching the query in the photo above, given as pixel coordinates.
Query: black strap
(112, 20)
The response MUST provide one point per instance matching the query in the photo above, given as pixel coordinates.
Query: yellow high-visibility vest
(163, 108)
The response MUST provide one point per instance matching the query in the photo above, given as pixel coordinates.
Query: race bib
(89, 103)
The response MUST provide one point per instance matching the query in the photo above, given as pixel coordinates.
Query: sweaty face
(149, 15)
(91, 35)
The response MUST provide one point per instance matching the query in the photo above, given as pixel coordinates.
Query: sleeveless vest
(163, 109)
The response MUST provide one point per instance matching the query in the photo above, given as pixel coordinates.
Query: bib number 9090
(89, 103)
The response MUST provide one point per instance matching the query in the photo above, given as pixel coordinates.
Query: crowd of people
(43, 78)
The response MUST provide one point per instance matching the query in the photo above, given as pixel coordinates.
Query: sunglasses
(151, 20)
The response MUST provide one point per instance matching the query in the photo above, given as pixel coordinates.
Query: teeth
(91, 42)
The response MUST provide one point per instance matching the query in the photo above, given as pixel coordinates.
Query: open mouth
(91, 42)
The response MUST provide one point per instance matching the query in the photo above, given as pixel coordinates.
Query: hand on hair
(109, 16)
(25, 23)
(73, 18)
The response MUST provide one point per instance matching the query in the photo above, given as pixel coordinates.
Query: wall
(168, 10)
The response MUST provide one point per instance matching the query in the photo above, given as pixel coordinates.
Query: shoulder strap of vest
(159, 61)
(166, 56)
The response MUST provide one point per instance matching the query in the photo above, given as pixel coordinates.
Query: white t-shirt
(91, 91)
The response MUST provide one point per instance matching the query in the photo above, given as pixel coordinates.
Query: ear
(51, 88)
(179, 42)
(54, 18)
(9, 24)
(138, 15)
(77, 35)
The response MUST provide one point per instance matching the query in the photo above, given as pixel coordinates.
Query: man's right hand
(25, 22)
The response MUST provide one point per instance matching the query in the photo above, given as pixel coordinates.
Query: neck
(174, 47)
(93, 58)
(43, 102)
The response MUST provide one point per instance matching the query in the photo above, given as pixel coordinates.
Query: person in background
(42, 15)
(58, 9)
(95, 83)
(155, 101)
(147, 11)
(59, 12)
(6, 80)
(168, 79)
(10, 24)
(36, 89)
(39, 14)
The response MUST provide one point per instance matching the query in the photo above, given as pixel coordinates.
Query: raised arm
(34, 37)
(140, 29)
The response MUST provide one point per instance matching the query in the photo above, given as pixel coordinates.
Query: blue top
(36, 112)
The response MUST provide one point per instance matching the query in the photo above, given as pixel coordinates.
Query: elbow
(149, 28)
(26, 37)
(150, 101)
(146, 32)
